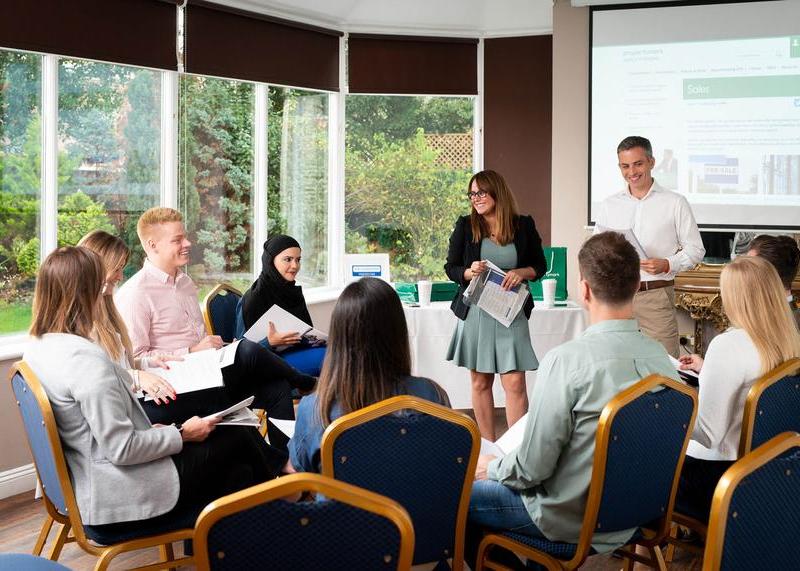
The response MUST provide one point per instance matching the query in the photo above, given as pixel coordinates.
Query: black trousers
(696, 487)
(255, 371)
(230, 459)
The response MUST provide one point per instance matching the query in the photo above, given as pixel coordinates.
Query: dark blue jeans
(495, 507)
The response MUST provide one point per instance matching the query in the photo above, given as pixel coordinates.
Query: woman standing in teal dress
(493, 231)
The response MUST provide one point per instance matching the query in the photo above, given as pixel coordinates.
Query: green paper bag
(441, 291)
(556, 258)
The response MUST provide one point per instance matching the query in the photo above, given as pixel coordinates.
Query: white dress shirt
(663, 223)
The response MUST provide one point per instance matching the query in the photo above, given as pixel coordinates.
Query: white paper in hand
(511, 440)
(629, 236)
(285, 426)
(196, 372)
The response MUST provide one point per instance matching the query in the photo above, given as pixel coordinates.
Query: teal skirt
(481, 343)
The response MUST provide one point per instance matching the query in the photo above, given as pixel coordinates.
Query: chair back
(755, 513)
(263, 526)
(45, 444)
(640, 446)
(422, 455)
(219, 311)
(772, 406)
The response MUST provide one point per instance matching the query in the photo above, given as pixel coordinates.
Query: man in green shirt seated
(540, 489)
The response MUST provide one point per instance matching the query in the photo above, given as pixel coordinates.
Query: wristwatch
(179, 426)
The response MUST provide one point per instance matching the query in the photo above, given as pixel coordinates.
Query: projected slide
(722, 113)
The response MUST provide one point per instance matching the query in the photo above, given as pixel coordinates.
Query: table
(430, 329)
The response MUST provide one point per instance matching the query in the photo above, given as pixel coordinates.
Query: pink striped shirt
(162, 314)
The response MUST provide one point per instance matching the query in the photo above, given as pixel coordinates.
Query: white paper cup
(549, 292)
(424, 288)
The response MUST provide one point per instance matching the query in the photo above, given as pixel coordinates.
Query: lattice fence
(455, 149)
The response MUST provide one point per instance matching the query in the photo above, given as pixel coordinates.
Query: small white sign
(357, 266)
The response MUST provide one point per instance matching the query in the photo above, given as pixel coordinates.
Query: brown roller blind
(134, 32)
(412, 65)
(233, 43)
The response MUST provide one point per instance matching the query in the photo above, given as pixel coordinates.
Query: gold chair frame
(72, 521)
(293, 485)
(651, 539)
(407, 402)
(727, 486)
(751, 412)
(217, 290)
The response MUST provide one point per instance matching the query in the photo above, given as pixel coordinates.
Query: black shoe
(304, 383)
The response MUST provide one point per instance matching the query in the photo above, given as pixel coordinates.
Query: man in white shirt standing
(664, 225)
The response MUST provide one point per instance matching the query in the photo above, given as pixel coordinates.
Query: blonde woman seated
(762, 336)
(368, 360)
(129, 476)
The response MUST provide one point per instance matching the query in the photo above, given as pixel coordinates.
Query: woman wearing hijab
(280, 264)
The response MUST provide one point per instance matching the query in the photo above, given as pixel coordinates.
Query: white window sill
(13, 346)
(323, 294)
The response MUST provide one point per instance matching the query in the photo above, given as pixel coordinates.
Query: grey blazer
(120, 465)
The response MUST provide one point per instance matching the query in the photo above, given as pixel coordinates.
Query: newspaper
(485, 292)
(237, 415)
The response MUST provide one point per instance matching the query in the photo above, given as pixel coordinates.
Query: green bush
(27, 256)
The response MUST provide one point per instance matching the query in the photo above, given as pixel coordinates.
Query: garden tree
(298, 174)
(20, 95)
(215, 169)
(398, 199)
(140, 189)
(20, 182)
(398, 118)
(78, 215)
(404, 188)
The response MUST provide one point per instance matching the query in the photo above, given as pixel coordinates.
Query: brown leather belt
(655, 284)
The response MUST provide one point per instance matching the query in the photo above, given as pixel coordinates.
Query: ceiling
(470, 18)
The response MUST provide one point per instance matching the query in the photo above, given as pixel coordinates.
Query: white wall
(570, 132)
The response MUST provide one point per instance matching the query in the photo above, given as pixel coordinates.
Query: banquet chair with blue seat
(640, 446)
(59, 497)
(264, 527)
(420, 454)
(219, 311)
(755, 513)
(772, 407)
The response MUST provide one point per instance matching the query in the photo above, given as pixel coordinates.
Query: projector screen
(716, 89)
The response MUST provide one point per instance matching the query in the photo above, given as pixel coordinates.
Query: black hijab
(271, 288)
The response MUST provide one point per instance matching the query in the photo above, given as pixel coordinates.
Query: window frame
(12, 345)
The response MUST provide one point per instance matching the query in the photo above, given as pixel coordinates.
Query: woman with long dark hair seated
(128, 474)
(276, 285)
(368, 360)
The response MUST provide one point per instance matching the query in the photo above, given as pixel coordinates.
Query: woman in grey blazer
(123, 468)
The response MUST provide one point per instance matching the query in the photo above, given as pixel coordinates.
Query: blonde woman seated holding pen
(762, 336)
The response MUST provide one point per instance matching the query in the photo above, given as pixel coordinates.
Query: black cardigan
(463, 251)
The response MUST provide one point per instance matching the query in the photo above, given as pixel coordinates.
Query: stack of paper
(284, 322)
(197, 371)
(237, 415)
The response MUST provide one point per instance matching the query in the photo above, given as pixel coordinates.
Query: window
(215, 172)
(407, 164)
(109, 124)
(20, 186)
(297, 198)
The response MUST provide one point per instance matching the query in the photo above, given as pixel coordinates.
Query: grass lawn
(14, 317)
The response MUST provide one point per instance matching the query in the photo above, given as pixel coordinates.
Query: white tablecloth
(430, 329)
